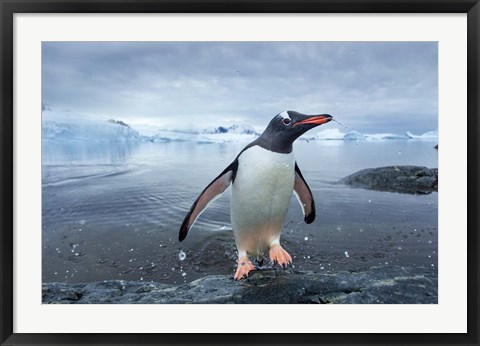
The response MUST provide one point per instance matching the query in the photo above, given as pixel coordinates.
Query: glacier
(75, 130)
(91, 131)
(336, 134)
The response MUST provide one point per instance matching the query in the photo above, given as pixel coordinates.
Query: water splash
(339, 123)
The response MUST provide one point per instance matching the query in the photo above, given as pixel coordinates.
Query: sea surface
(113, 211)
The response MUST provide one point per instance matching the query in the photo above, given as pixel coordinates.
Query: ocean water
(113, 211)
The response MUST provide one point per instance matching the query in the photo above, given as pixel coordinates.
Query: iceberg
(336, 134)
(225, 137)
(330, 134)
(426, 135)
(383, 136)
(354, 136)
(87, 130)
(163, 136)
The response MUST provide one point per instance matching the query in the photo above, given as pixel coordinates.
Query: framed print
(151, 153)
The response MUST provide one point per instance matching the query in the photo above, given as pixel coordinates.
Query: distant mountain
(218, 134)
(242, 129)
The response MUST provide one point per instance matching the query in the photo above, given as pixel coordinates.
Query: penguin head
(287, 126)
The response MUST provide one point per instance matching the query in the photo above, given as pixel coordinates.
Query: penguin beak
(315, 120)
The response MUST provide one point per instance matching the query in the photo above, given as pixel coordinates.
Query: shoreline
(377, 285)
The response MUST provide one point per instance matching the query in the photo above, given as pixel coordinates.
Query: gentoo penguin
(263, 176)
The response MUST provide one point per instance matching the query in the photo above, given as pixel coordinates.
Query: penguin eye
(286, 121)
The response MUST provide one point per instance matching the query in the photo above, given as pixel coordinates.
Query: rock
(377, 285)
(402, 179)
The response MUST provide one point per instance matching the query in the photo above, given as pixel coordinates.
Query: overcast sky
(368, 86)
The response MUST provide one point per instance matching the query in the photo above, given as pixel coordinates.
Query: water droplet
(131, 250)
(346, 254)
(306, 238)
(184, 274)
(429, 241)
(182, 255)
(77, 254)
(369, 201)
(82, 222)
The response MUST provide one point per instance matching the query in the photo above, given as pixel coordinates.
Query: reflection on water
(113, 210)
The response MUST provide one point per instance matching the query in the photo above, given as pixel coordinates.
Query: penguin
(264, 176)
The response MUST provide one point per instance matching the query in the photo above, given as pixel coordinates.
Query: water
(113, 211)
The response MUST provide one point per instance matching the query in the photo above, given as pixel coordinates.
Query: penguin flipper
(208, 195)
(304, 196)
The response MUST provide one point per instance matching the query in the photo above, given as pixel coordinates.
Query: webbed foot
(280, 256)
(245, 266)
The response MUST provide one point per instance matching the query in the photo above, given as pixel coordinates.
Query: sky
(369, 87)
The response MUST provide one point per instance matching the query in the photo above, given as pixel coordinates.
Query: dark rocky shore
(402, 179)
(387, 285)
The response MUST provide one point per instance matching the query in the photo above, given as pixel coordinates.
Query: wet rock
(402, 179)
(377, 285)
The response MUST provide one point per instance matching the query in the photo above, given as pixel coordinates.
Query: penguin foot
(280, 256)
(245, 266)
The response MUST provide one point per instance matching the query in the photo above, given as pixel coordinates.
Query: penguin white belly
(261, 194)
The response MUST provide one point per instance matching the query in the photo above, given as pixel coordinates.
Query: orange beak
(316, 119)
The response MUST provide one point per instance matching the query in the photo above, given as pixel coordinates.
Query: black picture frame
(10, 7)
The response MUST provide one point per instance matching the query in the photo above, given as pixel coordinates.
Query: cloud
(369, 86)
